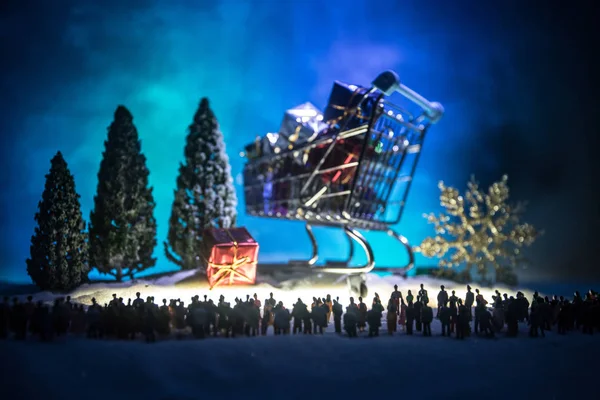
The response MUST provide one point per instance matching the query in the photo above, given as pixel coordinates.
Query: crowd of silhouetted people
(249, 317)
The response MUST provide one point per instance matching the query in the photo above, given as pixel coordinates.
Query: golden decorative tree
(480, 230)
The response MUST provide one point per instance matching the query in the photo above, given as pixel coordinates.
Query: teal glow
(254, 60)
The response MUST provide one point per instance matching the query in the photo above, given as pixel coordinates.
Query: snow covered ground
(184, 285)
(300, 367)
(297, 367)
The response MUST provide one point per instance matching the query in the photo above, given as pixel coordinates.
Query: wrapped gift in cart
(350, 166)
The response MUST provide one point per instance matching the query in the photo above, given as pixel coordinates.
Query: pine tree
(58, 253)
(205, 195)
(122, 225)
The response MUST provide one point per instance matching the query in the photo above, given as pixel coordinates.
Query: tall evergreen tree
(205, 195)
(58, 253)
(122, 224)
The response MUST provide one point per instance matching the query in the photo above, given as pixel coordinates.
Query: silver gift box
(302, 124)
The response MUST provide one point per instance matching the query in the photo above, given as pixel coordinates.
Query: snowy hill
(185, 284)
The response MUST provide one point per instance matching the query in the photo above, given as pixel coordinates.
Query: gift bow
(225, 271)
(355, 111)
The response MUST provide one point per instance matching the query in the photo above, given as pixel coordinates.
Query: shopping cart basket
(355, 176)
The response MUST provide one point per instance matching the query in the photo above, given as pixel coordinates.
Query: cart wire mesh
(358, 177)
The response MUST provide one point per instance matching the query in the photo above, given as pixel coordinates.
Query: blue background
(515, 80)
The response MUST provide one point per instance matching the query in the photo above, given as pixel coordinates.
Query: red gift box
(231, 256)
(346, 151)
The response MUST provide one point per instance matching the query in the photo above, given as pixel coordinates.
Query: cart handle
(389, 82)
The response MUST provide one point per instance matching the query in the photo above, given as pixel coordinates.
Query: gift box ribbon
(348, 112)
(225, 271)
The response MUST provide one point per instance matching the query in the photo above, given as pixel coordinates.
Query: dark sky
(517, 79)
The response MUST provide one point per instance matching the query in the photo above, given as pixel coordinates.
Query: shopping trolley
(355, 175)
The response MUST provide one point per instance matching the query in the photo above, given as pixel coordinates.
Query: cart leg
(351, 249)
(411, 256)
(315, 249)
(350, 253)
(346, 270)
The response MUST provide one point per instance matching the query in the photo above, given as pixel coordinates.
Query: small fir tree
(58, 253)
(479, 230)
(205, 195)
(122, 224)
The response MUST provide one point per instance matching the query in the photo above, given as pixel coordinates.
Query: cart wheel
(363, 290)
(357, 285)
